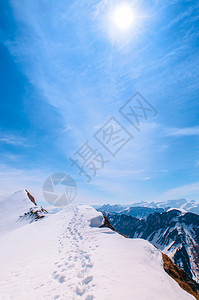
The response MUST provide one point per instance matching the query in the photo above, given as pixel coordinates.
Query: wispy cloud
(188, 131)
(145, 178)
(182, 15)
(186, 191)
(118, 173)
(10, 139)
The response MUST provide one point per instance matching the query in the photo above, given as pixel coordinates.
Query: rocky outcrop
(31, 197)
(180, 276)
(34, 214)
(107, 224)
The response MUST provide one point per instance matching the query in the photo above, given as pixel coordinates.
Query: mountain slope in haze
(189, 206)
(142, 209)
(174, 203)
(137, 211)
(140, 212)
(173, 232)
(67, 256)
(114, 208)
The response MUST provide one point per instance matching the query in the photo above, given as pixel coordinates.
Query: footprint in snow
(89, 297)
(80, 274)
(61, 279)
(87, 279)
(59, 266)
(79, 291)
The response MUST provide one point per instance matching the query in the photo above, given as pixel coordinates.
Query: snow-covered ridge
(174, 232)
(67, 256)
(15, 210)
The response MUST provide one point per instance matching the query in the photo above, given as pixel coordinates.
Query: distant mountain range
(144, 209)
(137, 211)
(174, 232)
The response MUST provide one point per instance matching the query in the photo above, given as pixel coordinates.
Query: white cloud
(7, 138)
(118, 173)
(145, 178)
(185, 191)
(188, 131)
(182, 16)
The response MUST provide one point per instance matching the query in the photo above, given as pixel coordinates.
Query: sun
(123, 16)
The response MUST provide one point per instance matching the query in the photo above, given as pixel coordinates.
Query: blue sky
(66, 70)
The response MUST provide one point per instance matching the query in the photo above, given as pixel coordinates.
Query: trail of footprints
(74, 269)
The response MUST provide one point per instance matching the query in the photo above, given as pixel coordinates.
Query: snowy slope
(65, 256)
(11, 207)
(175, 233)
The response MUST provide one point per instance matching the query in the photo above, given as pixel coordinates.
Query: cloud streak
(15, 140)
(186, 191)
(188, 131)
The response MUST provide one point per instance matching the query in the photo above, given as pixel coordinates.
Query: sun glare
(123, 16)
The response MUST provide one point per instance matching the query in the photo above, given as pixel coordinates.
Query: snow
(95, 218)
(11, 207)
(67, 256)
(183, 211)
